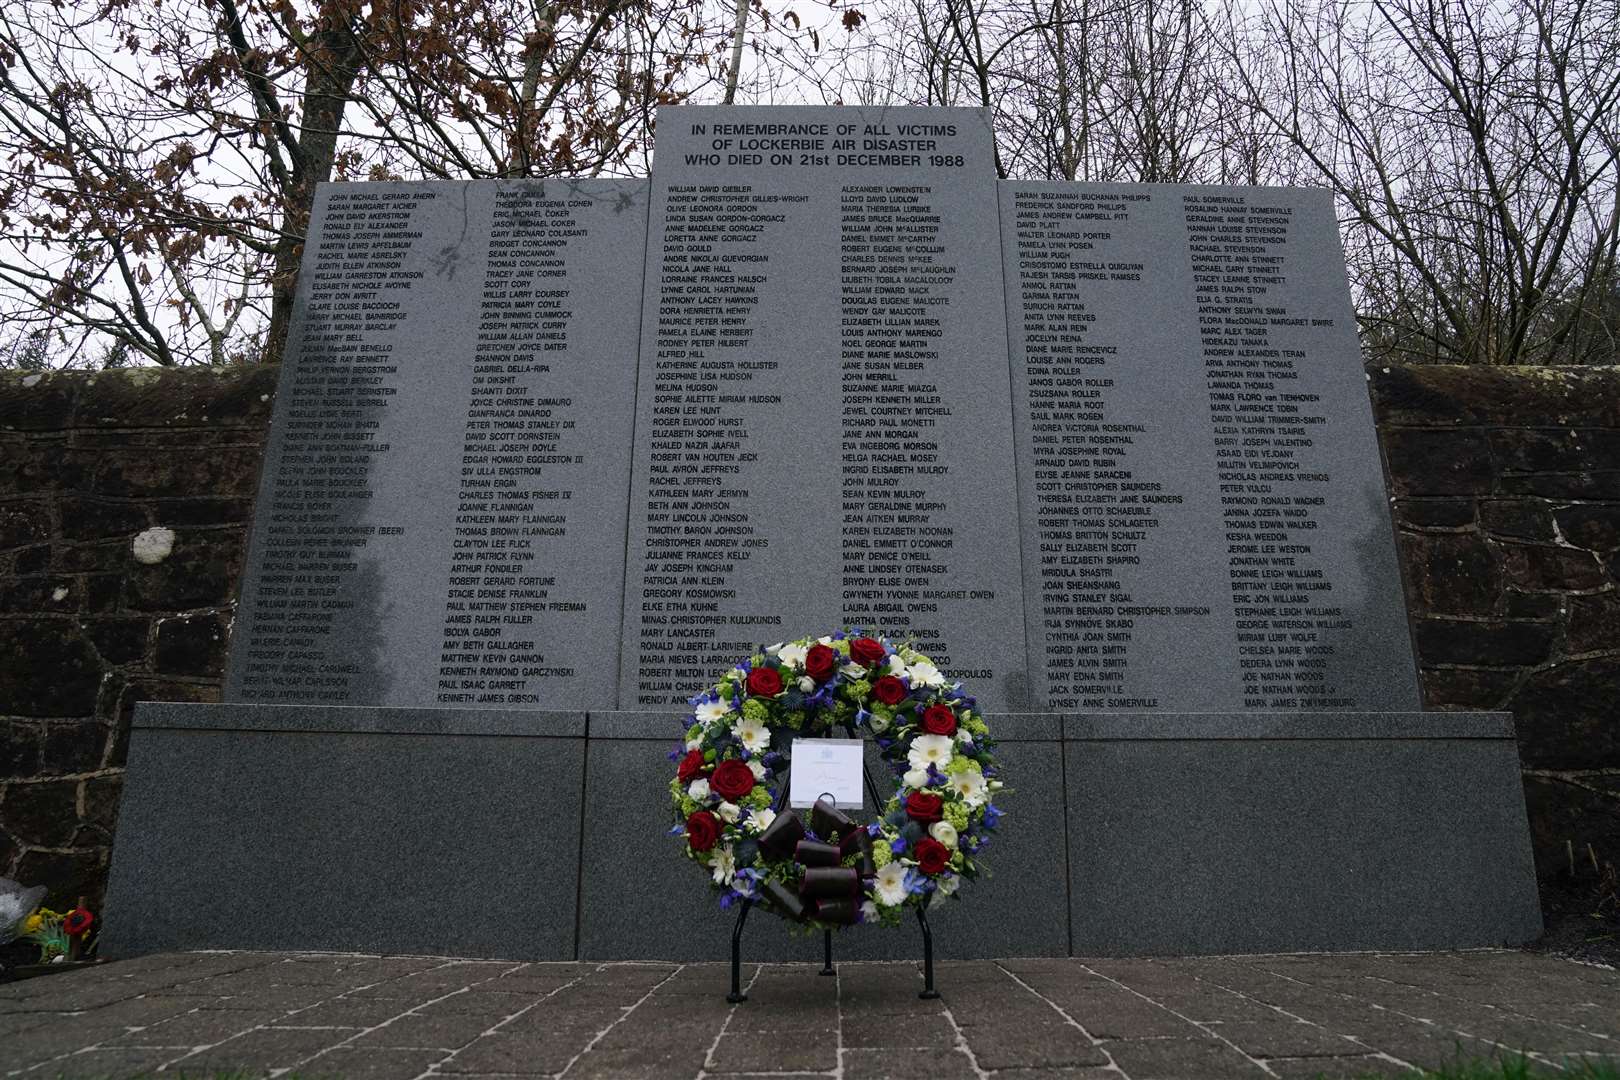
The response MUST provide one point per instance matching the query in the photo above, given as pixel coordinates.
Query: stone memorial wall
(788, 385)
(548, 455)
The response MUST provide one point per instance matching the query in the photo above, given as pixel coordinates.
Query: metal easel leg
(826, 953)
(736, 994)
(928, 990)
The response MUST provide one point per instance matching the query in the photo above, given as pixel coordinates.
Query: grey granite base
(1267, 833)
(641, 900)
(347, 828)
(460, 832)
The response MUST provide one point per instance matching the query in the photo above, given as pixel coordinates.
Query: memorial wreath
(732, 772)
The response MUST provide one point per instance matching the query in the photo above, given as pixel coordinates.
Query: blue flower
(992, 816)
(898, 845)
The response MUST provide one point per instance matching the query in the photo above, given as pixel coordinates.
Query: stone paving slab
(413, 1018)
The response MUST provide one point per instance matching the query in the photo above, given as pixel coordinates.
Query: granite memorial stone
(1202, 504)
(824, 424)
(548, 455)
(441, 515)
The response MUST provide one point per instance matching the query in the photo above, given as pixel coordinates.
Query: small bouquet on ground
(61, 936)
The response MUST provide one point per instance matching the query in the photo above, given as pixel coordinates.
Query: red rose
(77, 922)
(764, 682)
(732, 780)
(702, 830)
(820, 662)
(866, 651)
(920, 806)
(889, 690)
(691, 765)
(932, 856)
(939, 720)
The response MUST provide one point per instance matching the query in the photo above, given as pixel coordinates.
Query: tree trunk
(331, 68)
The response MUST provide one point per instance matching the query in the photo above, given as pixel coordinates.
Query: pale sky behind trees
(158, 157)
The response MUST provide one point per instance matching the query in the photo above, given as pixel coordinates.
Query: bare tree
(1474, 153)
(158, 162)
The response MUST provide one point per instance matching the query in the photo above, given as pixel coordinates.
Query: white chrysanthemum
(699, 789)
(792, 655)
(924, 673)
(760, 820)
(890, 885)
(753, 734)
(757, 767)
(710, 711)
(724, 865)
(853, 671)
(932, 750)
(915, 778)
(969, 786)
(807, 685)
(944, 832)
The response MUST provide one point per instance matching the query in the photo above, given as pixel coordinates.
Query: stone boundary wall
(125, 498)
(1506, 486)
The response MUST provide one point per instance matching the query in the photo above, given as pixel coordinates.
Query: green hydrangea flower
(755, 709)
(758, 799)
(959, 764)
(957, 814)
(881, 855)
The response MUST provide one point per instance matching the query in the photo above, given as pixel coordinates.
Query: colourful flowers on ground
(733, 766)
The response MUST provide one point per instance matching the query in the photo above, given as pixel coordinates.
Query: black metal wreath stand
(736, 995)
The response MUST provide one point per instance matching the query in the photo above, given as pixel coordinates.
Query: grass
(1516, 1067)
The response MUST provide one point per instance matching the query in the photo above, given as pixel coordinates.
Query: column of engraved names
(514, 493)
(895, 532)
(333, 403)
(1094, 512)
(710, 395)
(1265, 425)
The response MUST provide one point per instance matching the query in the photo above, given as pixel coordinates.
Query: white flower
(916, 778)
(760, 820)
(724, 865)
(853, 671)
(807, 685)
(869, 912)
(949, 883)
(699, 789)
(825, 639)
(792, 655)
(757, 767)
(878, 723)
(943, 831)
(924, 673)
(969, 786)
(710, 711)
(693, 744)
(897, 666)
(932, 750)
(964, 736)
(729, 812)
(752, 733)
(890, 884)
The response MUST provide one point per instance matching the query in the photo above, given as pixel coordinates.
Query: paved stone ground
(376, 1018)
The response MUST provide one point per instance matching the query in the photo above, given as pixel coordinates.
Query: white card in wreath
(826, 767)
